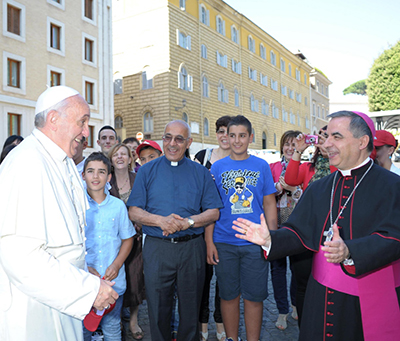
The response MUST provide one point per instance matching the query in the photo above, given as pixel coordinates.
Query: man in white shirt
(45, 291)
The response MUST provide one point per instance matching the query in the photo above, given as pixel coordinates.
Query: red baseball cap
(383, 138)
(150, 143)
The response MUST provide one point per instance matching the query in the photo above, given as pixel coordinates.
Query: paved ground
(269, 331)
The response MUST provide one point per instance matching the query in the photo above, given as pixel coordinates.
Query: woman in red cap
(385, 145)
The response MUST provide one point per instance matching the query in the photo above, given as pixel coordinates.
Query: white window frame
(51, 68)
(291, 94)
(282, 65)
(236, 67)
(251, 44)
(297, 74)
(94, 40)
(263, 51)
(185, 84)
(61, 51)
(146, 83)
(273, 58)
(60, 5)
(22, 21)
(305, 78)
(183, 40)
(237, 100)
(206, 127)
(290, 69)
(223, 94)
(182, 5)
(222, 59)
(94, 10)
(205, 87)
(220, 25)
(204, 51)
(234, 34)
(22, 73)
(206, 12)
(95, 96)
(284, 90)
(151, 120)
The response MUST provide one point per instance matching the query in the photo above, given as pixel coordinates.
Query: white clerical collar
(347, 172)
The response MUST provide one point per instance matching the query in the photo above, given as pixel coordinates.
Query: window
(185, 81)
(292, 117)
(204, 15)
(284, 114)
(13, 19)
(305, 78)
(290, 70)
(90, 137)
(147, 80)
(291, 94)
(205, 89)
(283, 65)
(326, 92)
(183, 40)
(236, 97)
(88, 9)
(89, 95)
(298, 97)
(264, 140)
(220, 25)
(206, 127)
(274, 85)
(275, 111)
(222, 59)
(318, 87)
(148, 122)
(14, 124)
(283, 90)
(298, 119)
(55, 36)
(251, 44)
(182, 4)
(252, 74)
(185, 117)
(307, 123)
(253, 103)
(203, 51)
(323, 113)
(273, 58)
(13, 73)
(118, 122)
(298, 74)
(223, 94)
(234, 34)
(88, 50)
(57, 3)
(236, 67)
(264, 107)
(314, 111)
(274, 139)
(263, 79)
(55, 78)
(305, 100)
(318, 111)
(263, 52)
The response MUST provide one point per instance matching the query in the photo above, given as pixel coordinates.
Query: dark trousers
(279, 283)
(301, 265)
(205, 300)
(167, 264)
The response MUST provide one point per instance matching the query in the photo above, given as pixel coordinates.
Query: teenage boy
(107, 139)
(148, 150)
(109, 238)
(247, 189)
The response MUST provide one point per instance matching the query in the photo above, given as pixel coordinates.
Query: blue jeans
(278, 278)
(110, 324)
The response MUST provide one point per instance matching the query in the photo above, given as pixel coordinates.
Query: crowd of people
(85, 240)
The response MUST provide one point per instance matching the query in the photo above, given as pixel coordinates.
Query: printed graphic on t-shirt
(242, 197)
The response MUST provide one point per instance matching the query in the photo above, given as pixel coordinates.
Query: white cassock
(45, 291)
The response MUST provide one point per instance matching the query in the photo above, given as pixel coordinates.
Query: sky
(342, 38)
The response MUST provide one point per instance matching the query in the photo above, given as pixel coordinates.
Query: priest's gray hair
(40, 118)
(357, 126)
(181, 122)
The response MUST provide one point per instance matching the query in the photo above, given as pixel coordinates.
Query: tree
(359, 88)
(383, 83)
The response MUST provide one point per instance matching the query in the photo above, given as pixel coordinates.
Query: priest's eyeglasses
(179, 139)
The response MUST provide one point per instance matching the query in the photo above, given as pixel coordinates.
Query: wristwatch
(191, 222)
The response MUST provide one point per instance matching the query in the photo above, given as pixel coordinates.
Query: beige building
(319, 100)
(54, 42)
(198, 60)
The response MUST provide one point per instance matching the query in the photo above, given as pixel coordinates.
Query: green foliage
(358, 88)
(320, 72)
(383, 83)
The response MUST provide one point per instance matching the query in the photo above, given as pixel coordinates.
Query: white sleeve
(52, 281)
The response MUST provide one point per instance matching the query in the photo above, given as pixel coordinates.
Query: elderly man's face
(176, 141)
(72, 125)
(344, 150)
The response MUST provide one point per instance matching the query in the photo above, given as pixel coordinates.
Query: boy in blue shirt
(108, 238)
(247, 189)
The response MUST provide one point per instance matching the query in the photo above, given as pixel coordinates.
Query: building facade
(54, 42)
(198, 60)
(319, 100)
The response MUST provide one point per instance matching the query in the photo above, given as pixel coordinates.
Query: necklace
(329, 234)
(120, 188)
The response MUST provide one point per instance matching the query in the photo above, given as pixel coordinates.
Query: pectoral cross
(328, 234)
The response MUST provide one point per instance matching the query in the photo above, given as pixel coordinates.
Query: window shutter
(190, 83)
(233, 65)
(189, 43)
(261, 78)
(180, 80)
(208, 18)
(256, 105)
(216, 23)
(249, 72)
(223, 27)
(226, 61)
(219, 93)
(200, 11)
(239, 68)
(255, 75)
(177, 36)
(226, 95)
(218, 58)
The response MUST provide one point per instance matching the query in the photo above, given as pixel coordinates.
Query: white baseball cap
(52, 96)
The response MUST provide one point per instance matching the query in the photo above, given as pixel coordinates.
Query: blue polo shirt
(185, 189)
(107, 224)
